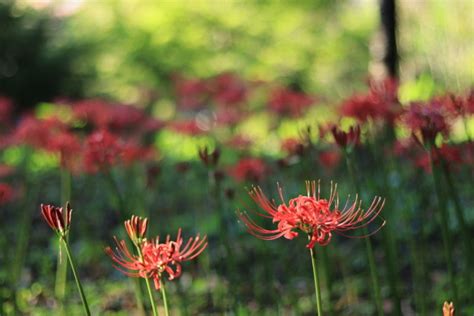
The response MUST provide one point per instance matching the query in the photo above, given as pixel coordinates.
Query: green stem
(316, 282)
(61, 270)
(163, 295)
(368, 247)
(121, 205)
(148, 287)
(466, 235)
(443, 222)
(76, 277)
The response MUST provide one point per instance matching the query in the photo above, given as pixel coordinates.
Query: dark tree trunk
(388, 16)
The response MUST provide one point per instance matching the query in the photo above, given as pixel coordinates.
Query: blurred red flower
(428, 119)
(292, 146)
(6, 110)
(380, 103)
(288, 102)
(101, 151)
(228, 90)
(249, 169)
(329, 158)
(346, 139)
(6, 193)
(316, 217)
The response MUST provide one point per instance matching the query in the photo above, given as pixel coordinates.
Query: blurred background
(251, 79)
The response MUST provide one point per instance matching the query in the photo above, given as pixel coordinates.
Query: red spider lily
(136, 228)
(450, 154)
(157, 258)
(314, 216)
(191, 93)
(104, 115)
(346, 139)
(249, 169)
(288, 102)
(459, 105)
(428, 119)
(380, 102)
(57, 218)
(69, 148)
(6, 193)
(228, 89)
(38, 133)
(210, 159)
(101, 151)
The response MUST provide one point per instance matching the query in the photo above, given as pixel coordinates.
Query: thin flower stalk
(317, 287)
(368, 246)
(466, 234)
(61, 264)
(443, 217)
(59, 219)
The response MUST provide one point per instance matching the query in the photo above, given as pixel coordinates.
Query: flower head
(311, 214)
(156, 258)
(448, 309)
(346, 139)
(249, 169)
(136, 228)
(209, 158)
(58, 218)
(428, 119)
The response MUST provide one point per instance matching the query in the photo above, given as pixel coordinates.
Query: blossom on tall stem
(249, 169)
(136, 228)
(427, 120)
(157, 258)
(58, 218)
(346, 140)
(448, 309)
(317, 217)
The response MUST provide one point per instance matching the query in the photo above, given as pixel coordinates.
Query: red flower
(101, 151)
(288, 102)
(329, 158)
(157, 258)
(69, 148)
(317, 217)
(346, 139)
(249, 169)
(57, 218)
(380, 102)
(6, 193)
(136, 228)
(228, 89)
(428, 119)
(191, 93)
(38, 133)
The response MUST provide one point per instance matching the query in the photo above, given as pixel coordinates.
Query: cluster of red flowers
(285, 101)
(315, 216)
(154, 258)
(380, 103)
(427, 119)
(249, 169)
